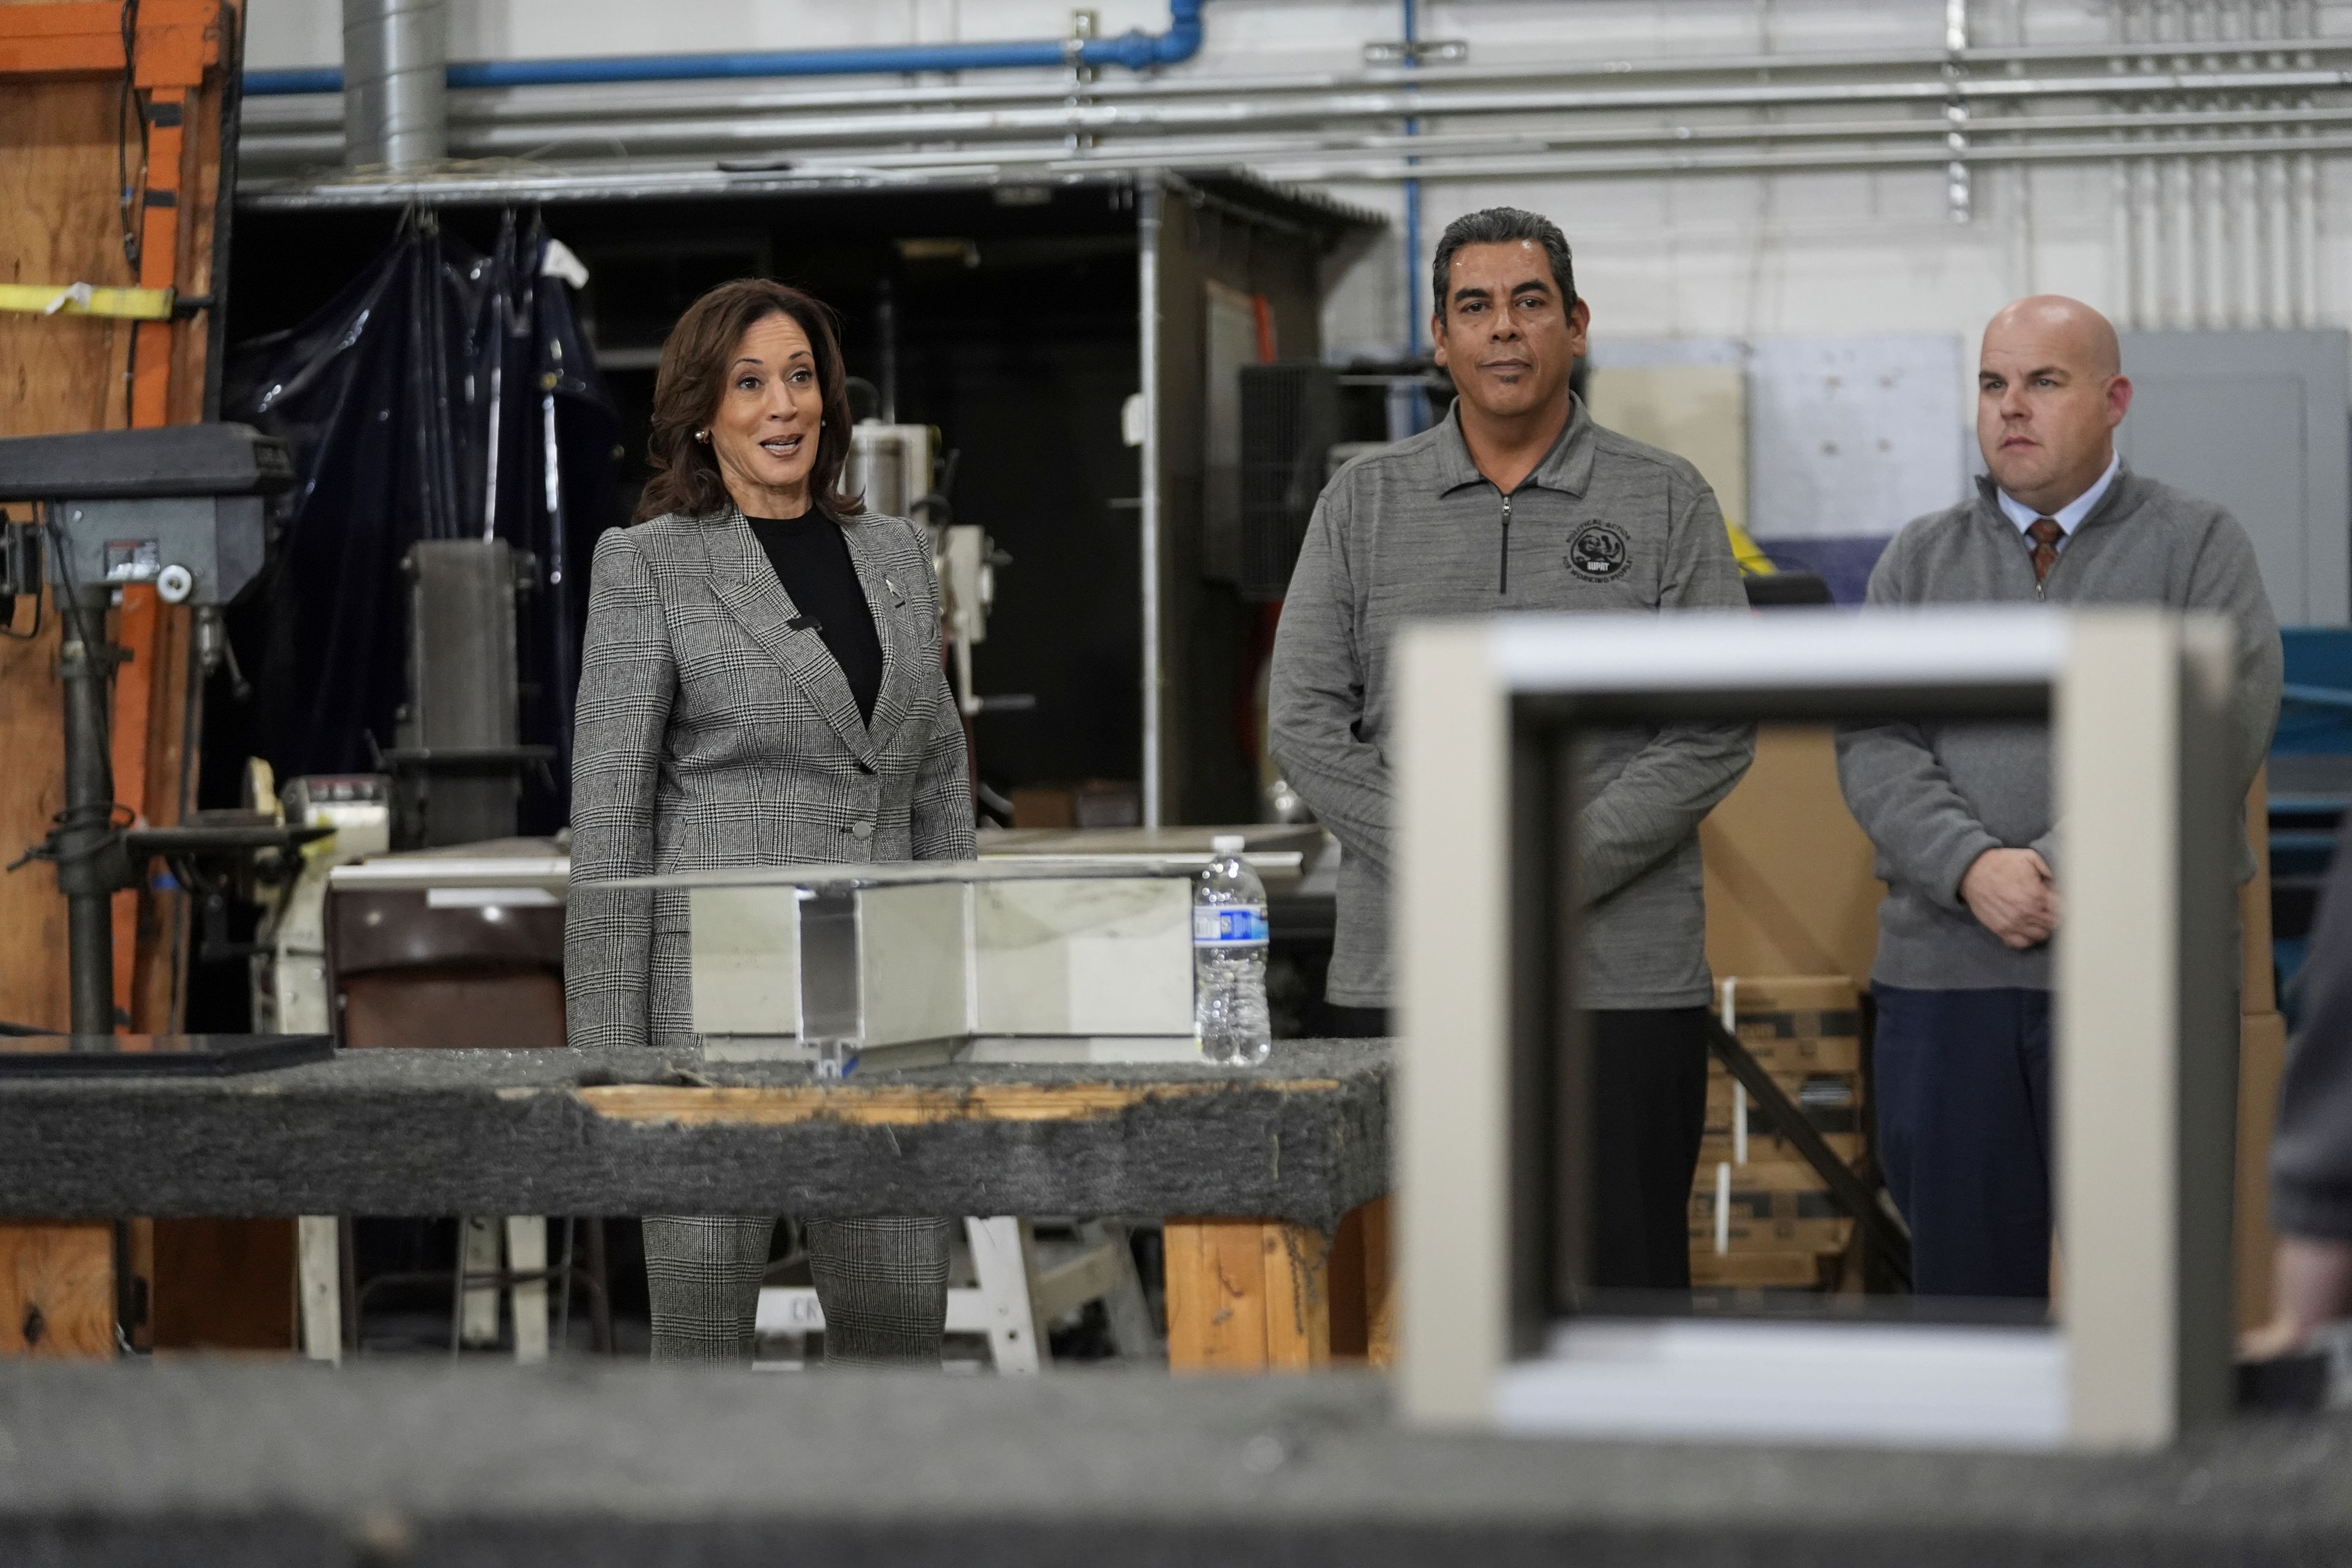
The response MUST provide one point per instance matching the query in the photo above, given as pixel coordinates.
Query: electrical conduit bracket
(1141, 51)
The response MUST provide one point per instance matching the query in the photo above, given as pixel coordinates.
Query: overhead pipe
(394, 112)
(1097, 118)
(1265, 149)
(624, 182)
(808, 145)
(328, 79)
(1134, 49)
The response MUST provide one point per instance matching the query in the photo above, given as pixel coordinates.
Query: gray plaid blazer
(710, 733)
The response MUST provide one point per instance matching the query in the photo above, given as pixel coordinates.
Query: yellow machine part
(1752, 561)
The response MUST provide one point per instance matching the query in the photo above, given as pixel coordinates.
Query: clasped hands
(2013, 895)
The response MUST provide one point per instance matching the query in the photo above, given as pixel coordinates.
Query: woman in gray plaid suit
(761, 684)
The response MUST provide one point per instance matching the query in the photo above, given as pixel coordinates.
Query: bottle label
(1229, 925)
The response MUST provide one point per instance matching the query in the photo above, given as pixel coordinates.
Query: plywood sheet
(65, 146)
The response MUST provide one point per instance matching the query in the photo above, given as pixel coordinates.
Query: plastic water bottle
(1229, 1014)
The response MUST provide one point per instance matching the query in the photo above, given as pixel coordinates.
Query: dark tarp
(443, 394)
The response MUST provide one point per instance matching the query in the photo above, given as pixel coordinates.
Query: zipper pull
(1503, 584)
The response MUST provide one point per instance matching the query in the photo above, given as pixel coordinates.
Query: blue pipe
(1413, 212)
(1136, 49)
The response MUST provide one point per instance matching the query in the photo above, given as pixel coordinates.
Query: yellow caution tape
(85, 299)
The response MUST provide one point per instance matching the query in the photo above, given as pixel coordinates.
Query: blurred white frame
(2144, 1047)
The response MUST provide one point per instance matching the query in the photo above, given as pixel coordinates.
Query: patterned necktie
(2045, 534)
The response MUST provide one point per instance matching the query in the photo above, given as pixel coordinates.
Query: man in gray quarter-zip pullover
(1960, 813)
(1517, 500)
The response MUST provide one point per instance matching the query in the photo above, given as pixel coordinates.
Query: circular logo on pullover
(1598, 553)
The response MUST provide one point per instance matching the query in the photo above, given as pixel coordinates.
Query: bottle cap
(1227, 844)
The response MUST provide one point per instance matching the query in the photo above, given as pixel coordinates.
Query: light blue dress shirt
(2066, 517)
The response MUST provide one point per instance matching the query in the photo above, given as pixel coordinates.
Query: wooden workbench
(1255, 1171)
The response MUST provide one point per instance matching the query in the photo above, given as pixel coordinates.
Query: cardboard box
(1789, 993)
(1829, 1099)
(1758, 1270)
(1791, 888)
(1807, 1022)
(1805, 1030)
(1716, 1147)
(1775, 1207)
(1831, 1103)
(2262, 1062)
(1800, 1054)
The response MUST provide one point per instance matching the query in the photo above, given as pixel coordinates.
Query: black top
(811, 561)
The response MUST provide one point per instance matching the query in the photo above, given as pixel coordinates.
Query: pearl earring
(703, 437)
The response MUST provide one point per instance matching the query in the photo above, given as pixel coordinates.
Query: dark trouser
(1649, 1085)
(1963, 1082)
(1649, 1080)
(1344, 1023)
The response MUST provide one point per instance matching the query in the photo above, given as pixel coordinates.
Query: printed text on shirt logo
(1598, 553)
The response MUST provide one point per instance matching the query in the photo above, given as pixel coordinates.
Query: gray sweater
(1413, 531)
(1934, 796)
(2311, 1154)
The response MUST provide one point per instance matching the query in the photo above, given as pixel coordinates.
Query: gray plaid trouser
(883, 1284)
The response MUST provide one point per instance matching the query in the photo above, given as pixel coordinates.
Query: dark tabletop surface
(217, 1462)
(1303, 1137)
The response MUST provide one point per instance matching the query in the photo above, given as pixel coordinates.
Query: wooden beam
(179, 40)
(1246, 1296)
(57, 1289)
(783, 1104)
(1379, 1282)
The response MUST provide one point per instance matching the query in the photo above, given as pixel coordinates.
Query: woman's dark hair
(695, 361)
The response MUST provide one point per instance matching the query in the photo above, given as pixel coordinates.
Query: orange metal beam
(178, 41)
(159, 253)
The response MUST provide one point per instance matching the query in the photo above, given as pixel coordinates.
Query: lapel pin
(896, 597)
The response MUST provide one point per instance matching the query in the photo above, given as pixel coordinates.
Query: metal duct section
(395, 56)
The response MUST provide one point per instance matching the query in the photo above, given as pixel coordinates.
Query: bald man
(1960, 813)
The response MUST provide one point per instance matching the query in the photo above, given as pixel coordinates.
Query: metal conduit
(1149, 198)
(1137, 50)
(554, 100)
(1179, 152)
(1101, 120)
(628, 181)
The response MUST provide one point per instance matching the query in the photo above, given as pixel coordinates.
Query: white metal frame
(1015, 1298)
(2143, 1048)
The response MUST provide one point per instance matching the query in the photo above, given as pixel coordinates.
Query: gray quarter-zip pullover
(2311, 1157)
(1934, 796)
(1413, 531)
